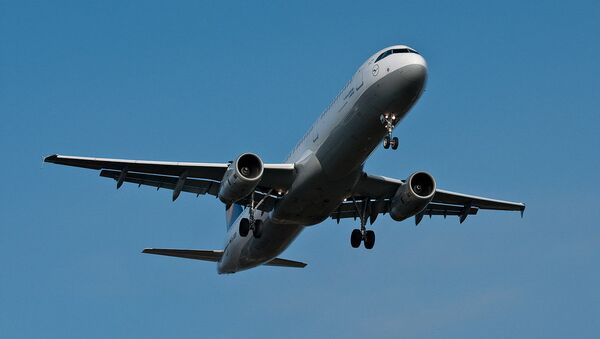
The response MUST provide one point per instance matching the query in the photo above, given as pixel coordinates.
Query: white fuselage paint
(330, 157)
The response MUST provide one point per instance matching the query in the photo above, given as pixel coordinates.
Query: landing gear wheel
(394, 143)
(369, 239)
(257, 230)
(386, 142)
(355, 238)
(244, 227)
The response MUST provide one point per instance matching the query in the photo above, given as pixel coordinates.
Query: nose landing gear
(388, 120)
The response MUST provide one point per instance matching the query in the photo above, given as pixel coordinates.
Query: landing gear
(369, 239)
(247, 224)
(394, 143)
(359, 235)
(244, 227)
(389, 120)
(257, 230)
(355, 238)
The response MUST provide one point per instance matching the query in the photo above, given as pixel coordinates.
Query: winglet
(522, 211)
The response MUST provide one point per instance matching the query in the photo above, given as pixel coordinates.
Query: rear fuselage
(329, 159)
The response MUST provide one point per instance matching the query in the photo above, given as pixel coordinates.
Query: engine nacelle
(412, 197)
(241, 178)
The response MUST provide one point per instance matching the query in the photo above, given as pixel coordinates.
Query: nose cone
(414, 77)
(400, 89)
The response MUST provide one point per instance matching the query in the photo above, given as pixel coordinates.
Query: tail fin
(232, 212)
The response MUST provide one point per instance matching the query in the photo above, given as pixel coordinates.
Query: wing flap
(441, 209)
(196, 186)
(348, 209)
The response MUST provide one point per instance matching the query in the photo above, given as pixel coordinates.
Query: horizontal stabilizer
(285, 263)
(188, 254)
(211, 255)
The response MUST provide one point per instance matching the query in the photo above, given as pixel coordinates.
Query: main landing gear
(388, 120)
(368, 236)
(250, 223)
(247, 225)
(359, 235)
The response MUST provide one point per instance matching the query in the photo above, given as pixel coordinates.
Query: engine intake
(413, 196)
(241, 178)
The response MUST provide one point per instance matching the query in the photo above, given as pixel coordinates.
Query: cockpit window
(394, 51)
(384, 54)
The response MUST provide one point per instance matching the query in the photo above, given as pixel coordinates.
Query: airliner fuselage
(329, 158)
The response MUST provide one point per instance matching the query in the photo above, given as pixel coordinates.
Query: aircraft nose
(415, 76)
(403, 87)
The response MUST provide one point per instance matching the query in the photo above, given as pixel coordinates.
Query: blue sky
(510, 111)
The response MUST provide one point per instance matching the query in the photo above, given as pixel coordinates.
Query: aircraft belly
(314, 194)
(360, 130)
(275, 239)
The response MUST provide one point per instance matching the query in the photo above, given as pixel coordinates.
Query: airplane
(268, 205)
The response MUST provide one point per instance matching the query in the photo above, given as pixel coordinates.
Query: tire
(386, 142)
(244, 227)
(369, 239)
(355, 238)
(394, 143)
(257, 232)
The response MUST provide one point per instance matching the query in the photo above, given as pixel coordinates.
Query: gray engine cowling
(241, 178)
(413, 196)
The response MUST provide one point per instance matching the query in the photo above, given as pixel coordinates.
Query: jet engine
(241, 178)
(413, 196)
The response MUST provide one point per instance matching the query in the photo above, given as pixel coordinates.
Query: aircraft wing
(197, 178)
(377, 193)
